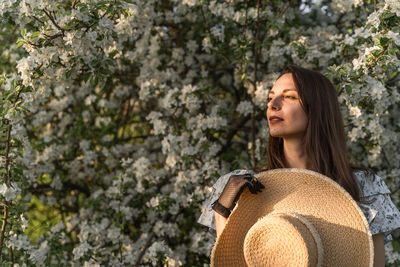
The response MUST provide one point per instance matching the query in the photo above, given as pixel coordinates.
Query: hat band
(283, 238)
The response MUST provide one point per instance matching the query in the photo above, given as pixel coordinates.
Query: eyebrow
(284, 90)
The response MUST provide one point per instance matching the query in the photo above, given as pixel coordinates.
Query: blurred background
(117, 117)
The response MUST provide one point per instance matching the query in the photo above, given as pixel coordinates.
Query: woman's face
(286, 117)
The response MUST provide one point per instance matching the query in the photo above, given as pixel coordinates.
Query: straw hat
(301, 218)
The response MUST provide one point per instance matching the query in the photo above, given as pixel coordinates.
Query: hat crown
(341, 224)
(283, 239)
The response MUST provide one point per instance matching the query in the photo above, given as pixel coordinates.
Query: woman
(306, 131)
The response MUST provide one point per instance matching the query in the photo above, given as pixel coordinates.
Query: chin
(286, 135)
(275, 134)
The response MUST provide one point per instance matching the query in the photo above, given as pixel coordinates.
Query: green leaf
(393, 74)
(383, 41)
(348, 89)
(9, 96)
(35, 34)
(94, 81)
(113, 53)
(68, 74)
(387, 14)
(86, 76)
(20, 43)
(396, 245)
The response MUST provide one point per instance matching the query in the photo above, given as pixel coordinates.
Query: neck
(295, 154)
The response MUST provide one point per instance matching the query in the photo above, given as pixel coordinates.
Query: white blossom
(10, 192)
(244, 108)
(38, 256)
(391, 255)
(374, 19)
(24, 222)
(394, 6)
(25, 67)
(79, 251)
(218, 32)
(18, 241)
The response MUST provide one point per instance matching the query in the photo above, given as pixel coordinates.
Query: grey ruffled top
(382, 214)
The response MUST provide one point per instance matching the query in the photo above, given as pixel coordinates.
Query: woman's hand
(232, 191)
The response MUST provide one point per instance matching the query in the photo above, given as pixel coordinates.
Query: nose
(275, 103)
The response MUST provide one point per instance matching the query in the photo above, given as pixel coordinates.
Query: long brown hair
(324, 137)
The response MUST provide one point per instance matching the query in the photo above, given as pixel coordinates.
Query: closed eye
(286, 96)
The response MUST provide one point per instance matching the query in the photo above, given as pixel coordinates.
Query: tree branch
(149, 240)
(41, 21)
(233, 130)
(253, 134)
(54, 22)
(74, 3)
(6, 176)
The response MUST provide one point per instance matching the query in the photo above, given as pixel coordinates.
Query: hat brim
(342, 226)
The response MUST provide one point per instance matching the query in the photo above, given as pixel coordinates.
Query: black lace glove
(231, 193)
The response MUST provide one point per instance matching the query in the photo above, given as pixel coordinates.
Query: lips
(273, 119)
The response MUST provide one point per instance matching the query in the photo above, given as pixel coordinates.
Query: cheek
(300, 118)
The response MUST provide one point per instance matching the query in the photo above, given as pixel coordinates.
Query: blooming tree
(118, 116)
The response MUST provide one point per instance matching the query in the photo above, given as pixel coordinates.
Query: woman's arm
(379, 250)
(220, 222)
(231, 193)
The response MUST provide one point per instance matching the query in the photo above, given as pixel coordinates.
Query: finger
(257, 187)
(252, 189)
(260, 185)
(248, 177)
